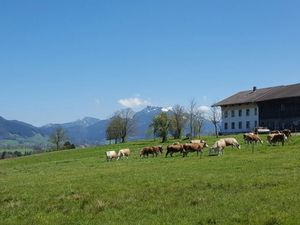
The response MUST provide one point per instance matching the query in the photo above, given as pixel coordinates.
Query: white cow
(111, 155)
(123, 153)
(218, 147)
(197, 141)
(233, 142)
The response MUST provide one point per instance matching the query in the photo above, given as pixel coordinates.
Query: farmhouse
(275, 108)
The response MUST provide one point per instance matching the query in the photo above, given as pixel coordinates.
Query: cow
(287, 132)
(158, 149)
(197, 141)
(232, 141)
(154, 150)
(123, 153)
(146, 151)
(275, 132)
(252, 138)
(174, 148)
(245, 137)
(218, 147)
(194, 147)
(274, 138)
(111, 155)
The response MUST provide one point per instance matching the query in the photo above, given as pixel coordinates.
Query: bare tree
(215, 117)
(128, 125)
(191, 113)
(178, 121)
(58, 137)
(198, 122)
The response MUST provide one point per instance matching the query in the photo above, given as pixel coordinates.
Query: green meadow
(246, 186)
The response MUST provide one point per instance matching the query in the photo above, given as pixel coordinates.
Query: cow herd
(198, 146)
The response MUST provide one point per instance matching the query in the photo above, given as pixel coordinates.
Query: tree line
(123, 123)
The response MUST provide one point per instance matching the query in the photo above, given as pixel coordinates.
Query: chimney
(254, 88)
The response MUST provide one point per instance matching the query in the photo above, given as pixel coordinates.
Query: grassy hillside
(80, 187)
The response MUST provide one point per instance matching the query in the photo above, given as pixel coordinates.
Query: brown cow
(287, 132)
(158, 149)
(196, 147)
(154, 150)
(274, 138)
(174, 148)
(252, 138)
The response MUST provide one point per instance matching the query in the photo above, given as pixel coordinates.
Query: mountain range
(87, 131)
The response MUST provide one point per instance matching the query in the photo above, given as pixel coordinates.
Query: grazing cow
(232, 141)
(252, 138)
(197, 141)
(196, 147)
(274, 138)
(245, 136)
(174, 148)
(154, 150)
(218, 147)
(111, 155)
(123, 153)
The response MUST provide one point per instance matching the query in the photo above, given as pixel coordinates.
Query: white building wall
(252, 118)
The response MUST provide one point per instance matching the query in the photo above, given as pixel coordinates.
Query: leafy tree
(121, 125)
(68, 145)
(161, 124)
(58, 137)
(113, 129)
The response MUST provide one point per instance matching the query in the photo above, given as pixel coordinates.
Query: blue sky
(64, 60)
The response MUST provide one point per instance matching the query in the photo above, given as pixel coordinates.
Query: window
(232, 125)
(282, 107)
(240, 113)
(226, 126)
(247, 124)
(255, 123)
(255, 111)
(232, 113)
(226, 114)
(240, 125)
(247, 112)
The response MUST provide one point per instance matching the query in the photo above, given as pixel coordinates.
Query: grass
(80, 187)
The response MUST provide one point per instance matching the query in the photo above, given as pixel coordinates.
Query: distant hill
(87, 131)
(78, 131)
(12, 128)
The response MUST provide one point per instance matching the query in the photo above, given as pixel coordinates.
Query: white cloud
(133, 102)
(204, 108)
